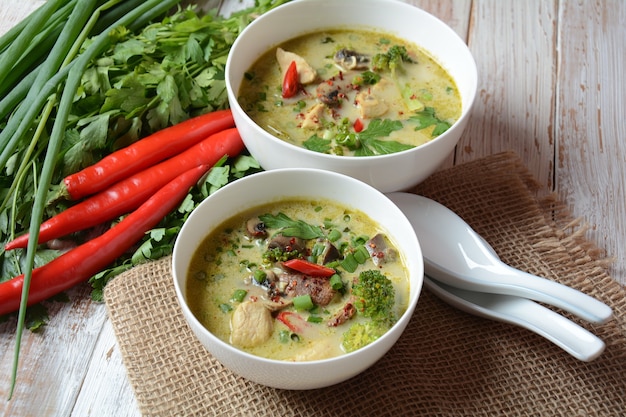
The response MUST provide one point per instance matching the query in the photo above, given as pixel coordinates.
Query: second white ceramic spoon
(456, 255)
(523, 312)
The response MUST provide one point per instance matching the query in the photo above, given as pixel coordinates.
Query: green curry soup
(355, 93)
(298, 280)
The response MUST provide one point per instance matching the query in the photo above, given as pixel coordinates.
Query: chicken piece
(251, 324)
(319, 350)
(306, 73)
(370, 104)
(313, 117)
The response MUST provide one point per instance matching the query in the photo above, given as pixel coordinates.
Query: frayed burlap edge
(447, 363)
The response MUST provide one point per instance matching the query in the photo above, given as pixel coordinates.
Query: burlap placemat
(447, 363)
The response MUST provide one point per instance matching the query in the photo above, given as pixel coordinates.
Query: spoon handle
(523, 312)
(559, 295)
(507, 280)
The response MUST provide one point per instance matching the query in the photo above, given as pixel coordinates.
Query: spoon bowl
(458, 256)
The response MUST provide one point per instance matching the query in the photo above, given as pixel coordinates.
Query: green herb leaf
(371, 145)
(427, 118)
(317, 144)
(291, 228)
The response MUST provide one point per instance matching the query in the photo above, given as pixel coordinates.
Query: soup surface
(350, 92)
(298, 280)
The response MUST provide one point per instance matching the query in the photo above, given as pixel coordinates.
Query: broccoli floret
(362, 334)
(374, 296)
(391, 60)
(279, 255)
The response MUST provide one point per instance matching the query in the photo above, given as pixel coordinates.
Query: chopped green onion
(334, 235)
(225, 308)
(259, 275)
(361, 255)
(317, 250)
(303, 302)
(239, 295)
(284, 336)
(360, 240)
(314, 319)
(349, 263)
(335, 282)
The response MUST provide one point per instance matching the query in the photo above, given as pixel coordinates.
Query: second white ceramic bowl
(387, 173)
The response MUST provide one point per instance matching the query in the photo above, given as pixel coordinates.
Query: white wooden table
(551, 88)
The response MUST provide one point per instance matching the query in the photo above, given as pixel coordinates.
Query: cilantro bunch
(146, 76)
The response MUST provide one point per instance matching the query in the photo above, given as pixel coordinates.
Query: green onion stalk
(60, 74)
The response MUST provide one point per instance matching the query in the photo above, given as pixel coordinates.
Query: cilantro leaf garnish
(426, 118)
(366, 143)
(291, 228)
(372, 145)
(366, 78)
(317, 144)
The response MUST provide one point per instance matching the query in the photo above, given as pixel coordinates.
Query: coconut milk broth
(219, 267)
(260, 92)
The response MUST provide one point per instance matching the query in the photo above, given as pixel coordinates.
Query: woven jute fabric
(447, 363)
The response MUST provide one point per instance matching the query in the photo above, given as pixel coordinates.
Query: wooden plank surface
(550, 88)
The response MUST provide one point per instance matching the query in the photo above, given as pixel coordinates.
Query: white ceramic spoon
(456, 255)
(523, 312)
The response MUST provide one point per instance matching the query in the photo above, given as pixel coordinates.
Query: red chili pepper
(84, 261)
(145, 153)
(309, 268)
(288, 318)
(358, 125)
(131, 192)
(290, 82)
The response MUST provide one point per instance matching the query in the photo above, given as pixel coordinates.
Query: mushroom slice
(351, 60)
(251, 324)
(343, 315)
(255, 227)
(330, 253)
(332, 91)
(379, 251)
(306, 73)
(287, 243)
(276, 305)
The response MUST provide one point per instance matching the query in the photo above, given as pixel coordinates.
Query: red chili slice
(290, 82)
(309, 268)
(358, 125)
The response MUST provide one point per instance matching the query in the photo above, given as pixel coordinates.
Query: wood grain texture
(590, 124)
(550, 88)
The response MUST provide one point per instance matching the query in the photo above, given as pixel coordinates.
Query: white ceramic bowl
(387, 173)
(269, 186)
